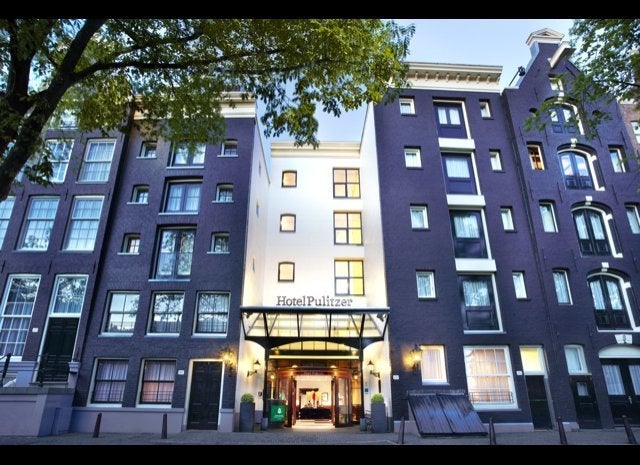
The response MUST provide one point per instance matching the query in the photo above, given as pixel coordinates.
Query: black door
(623, 386)
(538, 402)
(204, 401)
(584, 396)
(58, 349)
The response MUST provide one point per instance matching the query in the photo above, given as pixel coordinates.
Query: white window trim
(581, 356)
(125, 244)
(443, 362)
(55, 293)
(541, 359)
(213, 240)
(141, 379)
(71, 219)
(425, 214)
(432, 287)
(224, 144)
(520, 276)
(624, 290)
(464, 115)
(495, 155)
(496, 302)
(607, 218)
(591, 158)
(566, 281)
(68, 162)
(411, 102)
(497, 406)
(84, 156)
(539, 147)
(103, 331)
(168, 187)
(94, 372)
(416, 152)
(553, 216)
(635, 212)
(620, 158)
(26, 219)
(5, 297)
(509, 210)
(142, 150)
(485, 104)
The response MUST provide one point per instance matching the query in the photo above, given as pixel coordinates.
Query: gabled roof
(545, 35)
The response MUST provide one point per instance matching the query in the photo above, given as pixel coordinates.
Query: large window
(489, 377)
(37, 227)
(182, 197)
(97, 161)
(166, 312)
(468, 234)
(175, 253)
(592, 235)
(618, 160)
(213, 313)
(419, 218)
(450, 120)
(60, 153)
(158, 377)
(634, 218)
(609, 302)
(412, 157)
(535, 157)
(564, 119)
(426, 284)
(548, 217)
(575, 169)
(347, 228)
(349, 277)
(433, 366)
(17, 307)
(109, 381)
(6, 207)
(458, 171)
(184, 155)
(561, 284)
(68, 295)
(576, 363)
(346, 182)
(122, 309)
(479, 311)
(83, 227)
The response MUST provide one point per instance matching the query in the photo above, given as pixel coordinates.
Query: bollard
(164, 427)
(401, 431)
(629, 431)
(492, 433)
(96, 429)
(563, 435)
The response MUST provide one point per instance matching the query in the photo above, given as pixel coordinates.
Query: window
(548, 217)
(166, 312)
(6, 207)
(506, 213)
(224, 193)
(183, 155)
(561, 283)
(59, 155)
(496, 163)
(426, 285)
(575, 170)
(148, 150)
(39, 223)
(182, 197)
(97, 161)
(576, 364)
(489, 377)
(635, 127)
(286, 271)
(287, 223)
(450, 120)
(458, 172)
(122, 309)
(564, 119)
(592, 235)
(68, 295)
(468, 234)
(346, 183)
(533, 360)
(556, 83)
(347, 228)
(407, 106)
(109, 381)
(609, 302)
(419, 219)
(85, 219)
(412, 157)
(140, 195)
(158, 377)
(213, 313)
(485, 109)
(433, 366)
(618, 160)
(289, 179)
(220, 242)
(479, 310)
(17, 307)
(131, 244)
(349, 277)
(535, 157)
(175, 253)
(632, 215)
(230, 148)
(518, 284)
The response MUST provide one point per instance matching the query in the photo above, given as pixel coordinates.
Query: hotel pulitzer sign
(313, 301)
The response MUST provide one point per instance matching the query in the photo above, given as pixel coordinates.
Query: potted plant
(247, 413)
(378, 414)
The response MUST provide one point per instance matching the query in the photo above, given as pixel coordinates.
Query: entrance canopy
(274, 326)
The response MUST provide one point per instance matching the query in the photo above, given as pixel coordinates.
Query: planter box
(247, 416)
(378, 418)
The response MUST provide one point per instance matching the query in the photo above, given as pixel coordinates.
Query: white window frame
(145, 146)
(412, 157)
(94, 374)
(567, 285)
(581, 358)
(229, 143)
(464, 117)
(508, 213)
(556, 83)
(85, 161)
(54, 295)
(28, 220)
(219, 189)
(496, 302)
(509, 373)
(60, 161)
(214, 236)
(5, 298)
(423, 210)
(74, 221)
(496, 160)
(632, 211)
(541, 361)
(199, 147)
(432, 284)
(553, 216)
(183, 200)
(126, 243)
(519, 285)
(104, 330)
(424, 363)
(606, 218)
(619, 165)
(6, 208)
(485, 109)
(539, 149)
(403, 102)
(625, 285)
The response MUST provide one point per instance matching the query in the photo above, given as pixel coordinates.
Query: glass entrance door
(342, 399)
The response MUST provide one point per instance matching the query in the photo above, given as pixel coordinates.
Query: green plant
(377, 399)
(246, 397)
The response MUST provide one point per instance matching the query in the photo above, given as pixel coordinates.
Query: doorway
(57, 350)
(584, 397)
(622, 377)
(204, 398)
(535, 373)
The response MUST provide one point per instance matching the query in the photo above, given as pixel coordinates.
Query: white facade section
(447, 76)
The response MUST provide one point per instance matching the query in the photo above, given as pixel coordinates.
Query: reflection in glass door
(342, 400)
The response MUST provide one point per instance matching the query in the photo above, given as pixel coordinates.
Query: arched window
(593, 236)
(576, 171)
(564, 119)
(610, 304)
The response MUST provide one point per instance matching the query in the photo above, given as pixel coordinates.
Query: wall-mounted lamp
(416, 357)
(372, 369)
(256, 367)
(520, 72)
(226, 354)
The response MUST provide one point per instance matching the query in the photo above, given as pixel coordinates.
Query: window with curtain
(634, 218)
(592, 235)
(213, 313)
(426, 285)
(419, 219)
(38, 224)
(479, 311)
(183, 155)
(548, 217)
(140, 195)
(224, 193)
(433, 366)
(468, 234)
(230, 148)
(175, 253)
(576, 171)
(59, 156)
(564, 119)
(69, 294)
(561, 283)
(158, 377)
(608, 302)
(6, 207)
(182, 197)
(489, 377)
(506, 213)
(109, 381)
(97, 161)
(450, 120)
(496, 162)
(407, 106)
(575, 360)
(122, 309)
(518, 284)
(84, 223)
(618, 160)
(220, 242)
(458, 170)
(613, 380)
(17, 307)
(166, 312)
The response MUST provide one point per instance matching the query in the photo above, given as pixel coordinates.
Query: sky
(463, 41)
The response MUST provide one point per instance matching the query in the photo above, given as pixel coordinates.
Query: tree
(178, 72)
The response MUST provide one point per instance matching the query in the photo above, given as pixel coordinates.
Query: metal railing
(491, 396)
